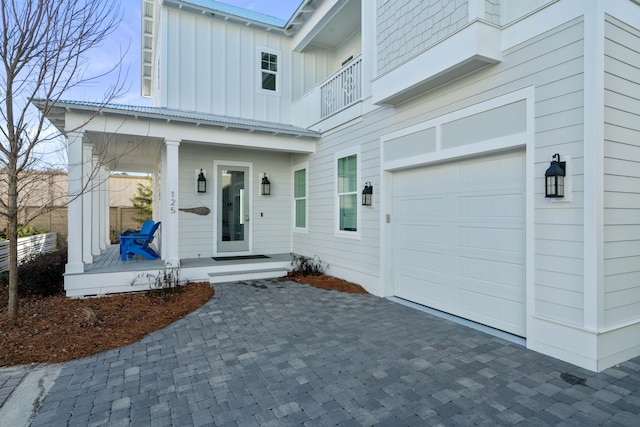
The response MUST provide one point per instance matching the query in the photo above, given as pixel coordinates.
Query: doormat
(239, 257)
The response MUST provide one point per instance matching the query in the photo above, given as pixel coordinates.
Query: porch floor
(109, 262)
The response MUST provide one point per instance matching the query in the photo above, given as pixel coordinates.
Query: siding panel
(622, 174)
(558, 127)
(213, 67)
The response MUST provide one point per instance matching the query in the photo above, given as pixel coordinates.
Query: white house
(451, 110)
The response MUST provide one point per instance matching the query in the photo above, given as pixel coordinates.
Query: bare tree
(45, 47)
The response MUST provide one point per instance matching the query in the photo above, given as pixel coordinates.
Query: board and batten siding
(214, 67)
(271, 231)
(621, 174)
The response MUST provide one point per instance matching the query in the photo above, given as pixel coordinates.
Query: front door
(233, 208)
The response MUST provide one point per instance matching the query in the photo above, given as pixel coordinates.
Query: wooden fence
(120, 219)
(28, 246)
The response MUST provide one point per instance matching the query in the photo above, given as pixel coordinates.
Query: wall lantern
(202, 182)
(554, 178)
(367, 194)
(265, 186)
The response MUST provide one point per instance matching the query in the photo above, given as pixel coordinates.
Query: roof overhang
(230, 13)
(133, 134)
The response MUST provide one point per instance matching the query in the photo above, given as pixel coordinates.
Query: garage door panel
(494, 207)
(418, 209)
(412, 234)
(423, 291)
(490, 172)
(493, 271)
(428, 262)
(459, 246)
(486, 309)
(486, 239)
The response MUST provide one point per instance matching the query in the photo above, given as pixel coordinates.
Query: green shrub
(24, 230)
(42, 274)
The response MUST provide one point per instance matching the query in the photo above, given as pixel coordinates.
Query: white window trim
(296, 168)
(259, 51)
(356, 235)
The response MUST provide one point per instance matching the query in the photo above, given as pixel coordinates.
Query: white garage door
(458, 236)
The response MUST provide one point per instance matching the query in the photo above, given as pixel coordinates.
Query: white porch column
(170, 223)
(96, 195)
(87, 166)
(106, 204)
(74, 219)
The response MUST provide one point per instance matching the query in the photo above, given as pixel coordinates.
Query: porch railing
(27, 246)
(342, 88)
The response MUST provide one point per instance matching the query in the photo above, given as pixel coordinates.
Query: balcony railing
(342, 88)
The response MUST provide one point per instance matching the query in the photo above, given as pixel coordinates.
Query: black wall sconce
(367, 194)
(265, 187)
(201, 182)
(554, 178)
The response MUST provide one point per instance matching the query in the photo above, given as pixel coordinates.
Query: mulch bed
(58, 329)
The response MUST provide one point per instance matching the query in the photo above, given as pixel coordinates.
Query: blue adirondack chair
(146, 227)
(137, 243)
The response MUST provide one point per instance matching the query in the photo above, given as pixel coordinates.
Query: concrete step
(247, 274)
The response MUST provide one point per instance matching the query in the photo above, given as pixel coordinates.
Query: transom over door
(459, 239)
(233, 208)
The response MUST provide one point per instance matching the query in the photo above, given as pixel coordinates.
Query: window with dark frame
(348, 193)
(269, 67)
(300, 197)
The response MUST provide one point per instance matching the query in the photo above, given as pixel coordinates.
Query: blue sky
(127, 38)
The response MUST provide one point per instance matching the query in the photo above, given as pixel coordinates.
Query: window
(300, 197)
(347, 192)
(269, 71)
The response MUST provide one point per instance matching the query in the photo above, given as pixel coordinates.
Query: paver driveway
(279, 353)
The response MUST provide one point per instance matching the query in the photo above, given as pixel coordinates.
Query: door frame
(249, 191)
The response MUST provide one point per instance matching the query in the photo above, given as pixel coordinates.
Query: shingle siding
(492, 11)
(409, 29)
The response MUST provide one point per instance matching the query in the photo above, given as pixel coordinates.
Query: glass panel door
(233, 209)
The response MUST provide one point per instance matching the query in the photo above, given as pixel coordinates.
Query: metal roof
(235, 11)
(194, 117)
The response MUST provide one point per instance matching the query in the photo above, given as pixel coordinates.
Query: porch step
(247, 274)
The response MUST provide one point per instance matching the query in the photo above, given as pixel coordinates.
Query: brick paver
(277, 353)
(9, 380)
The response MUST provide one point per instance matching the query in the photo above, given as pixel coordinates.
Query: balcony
(342, 89)
(334, 95)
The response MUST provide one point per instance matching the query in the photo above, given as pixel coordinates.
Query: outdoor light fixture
(202, 182)
(554, 178)
(367, 194)
(266, 186)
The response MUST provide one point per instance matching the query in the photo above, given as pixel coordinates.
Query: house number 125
(172, 203)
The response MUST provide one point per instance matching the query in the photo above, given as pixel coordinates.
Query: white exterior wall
(310, 68)
(315, 64)
(212, 66)
(558, 96)
(622, 174)
(408, 29)
(271, 231)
